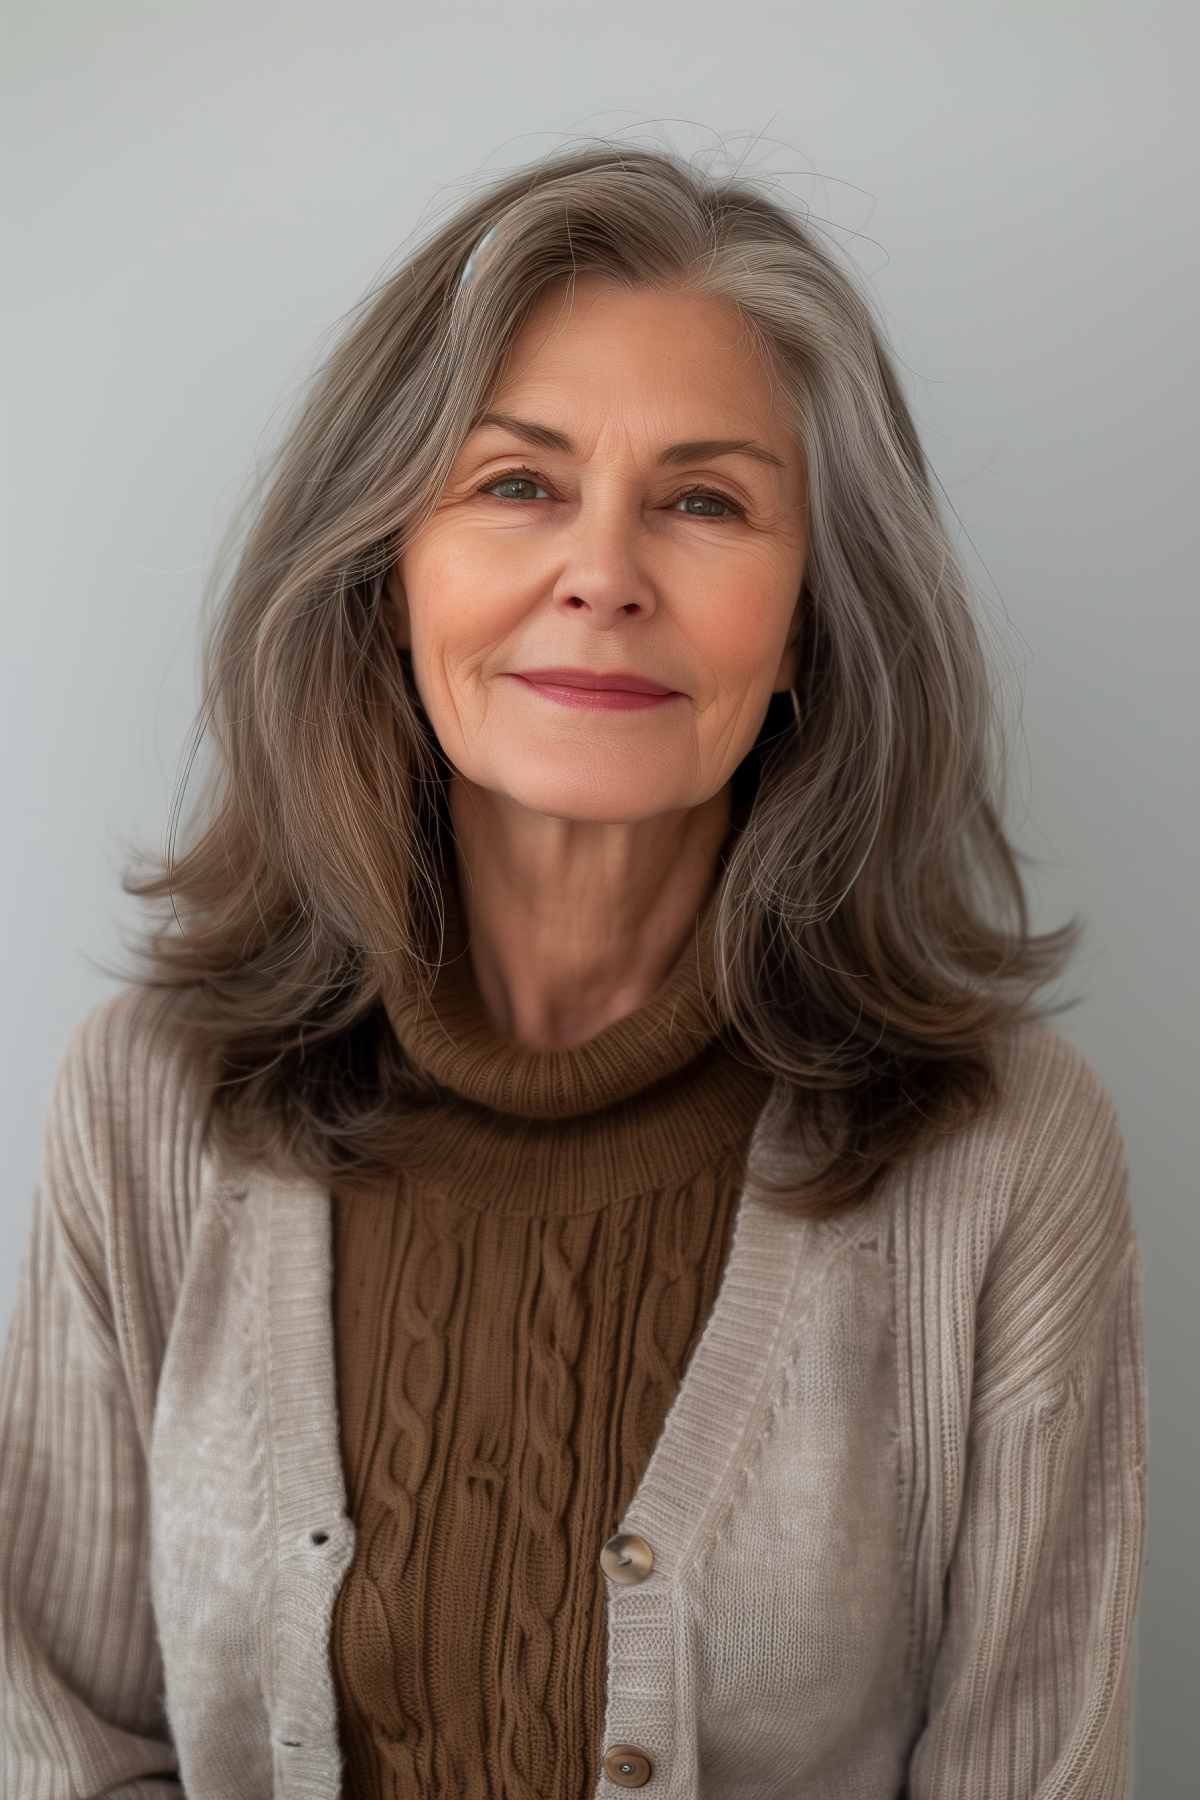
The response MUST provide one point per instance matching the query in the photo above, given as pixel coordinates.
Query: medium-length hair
(872, 934)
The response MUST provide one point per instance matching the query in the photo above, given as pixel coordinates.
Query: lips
(621, 681)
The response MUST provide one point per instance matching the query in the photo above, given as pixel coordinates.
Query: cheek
(459, 604)
(743, 641)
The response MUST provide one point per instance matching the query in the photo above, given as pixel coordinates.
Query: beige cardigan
(896, 1514)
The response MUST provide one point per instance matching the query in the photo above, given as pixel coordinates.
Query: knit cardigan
(896, 1514)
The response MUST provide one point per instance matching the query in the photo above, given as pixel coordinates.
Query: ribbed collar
(648, 1100)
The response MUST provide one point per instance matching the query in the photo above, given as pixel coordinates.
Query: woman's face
(591, 557)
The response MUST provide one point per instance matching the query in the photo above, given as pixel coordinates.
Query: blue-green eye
(700, 493)
(527, 476)
(517, 475)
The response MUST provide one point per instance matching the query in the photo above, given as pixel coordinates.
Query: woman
(578, 1263)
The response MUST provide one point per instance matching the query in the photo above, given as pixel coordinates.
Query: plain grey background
(198, 193)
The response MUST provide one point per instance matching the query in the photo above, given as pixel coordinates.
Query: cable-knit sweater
(512, 1316)
(887, 1543)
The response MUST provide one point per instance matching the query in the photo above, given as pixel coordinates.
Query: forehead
(666, 358)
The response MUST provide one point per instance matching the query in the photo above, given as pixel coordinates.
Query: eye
(735, 508)
(525, 475)
(695, 493)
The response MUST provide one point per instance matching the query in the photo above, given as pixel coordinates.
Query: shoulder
(123, 1167)
(124, 1147)
(1048, 1149)
(1040, 1187)
(1058, 1134)
(123, 1095)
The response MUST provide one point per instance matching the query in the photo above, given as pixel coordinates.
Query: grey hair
(872, 929)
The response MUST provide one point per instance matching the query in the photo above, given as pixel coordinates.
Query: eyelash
(709, 493)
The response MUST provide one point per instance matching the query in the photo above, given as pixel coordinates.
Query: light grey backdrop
(197, 193)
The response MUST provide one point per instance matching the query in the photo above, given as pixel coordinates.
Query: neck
(573, 925)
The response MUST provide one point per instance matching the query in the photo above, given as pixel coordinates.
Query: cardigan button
(628, 1766)
(627, 1558)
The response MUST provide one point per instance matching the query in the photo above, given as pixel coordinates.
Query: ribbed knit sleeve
(1032, 1690)
(81, 1710)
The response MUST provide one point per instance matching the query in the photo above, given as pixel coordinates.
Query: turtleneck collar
(650, 1098)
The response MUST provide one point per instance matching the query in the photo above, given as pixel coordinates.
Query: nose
(602, 569)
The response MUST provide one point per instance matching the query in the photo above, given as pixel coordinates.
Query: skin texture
(587, 840)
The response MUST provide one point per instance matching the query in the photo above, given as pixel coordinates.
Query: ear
(397, 605)
(785, 675)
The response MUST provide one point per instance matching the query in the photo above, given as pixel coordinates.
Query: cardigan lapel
(314, 1536)
(723, 1406)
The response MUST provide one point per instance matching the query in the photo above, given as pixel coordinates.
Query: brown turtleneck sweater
(513, 1316)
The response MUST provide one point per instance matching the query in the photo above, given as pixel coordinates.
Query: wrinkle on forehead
(690, 361)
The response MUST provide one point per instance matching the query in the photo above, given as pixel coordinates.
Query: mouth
(609, 698)
(627, 680)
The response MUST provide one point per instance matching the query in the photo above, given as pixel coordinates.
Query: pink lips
(608, 699)
(623, 679)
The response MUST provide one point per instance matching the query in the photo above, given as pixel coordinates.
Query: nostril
(319, 1537)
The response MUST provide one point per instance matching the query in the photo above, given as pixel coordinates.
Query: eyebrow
(689, 450)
